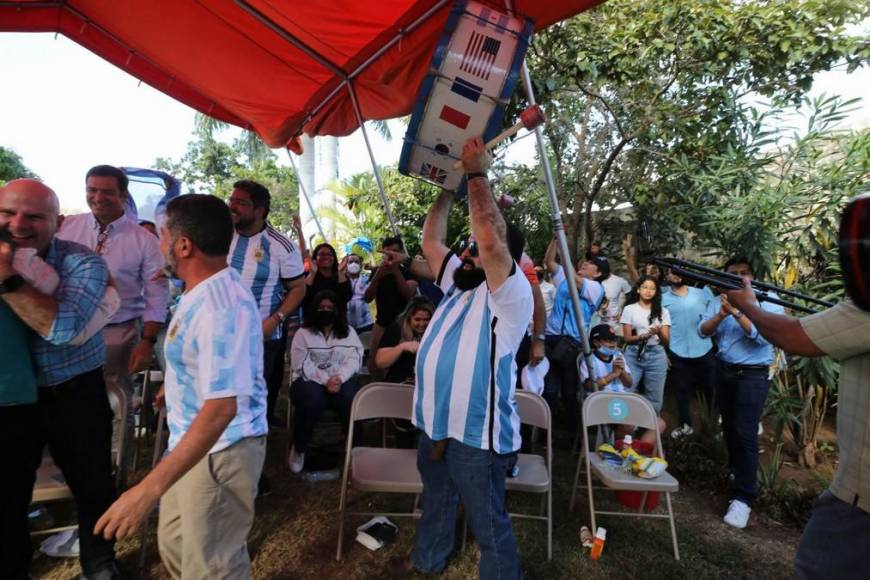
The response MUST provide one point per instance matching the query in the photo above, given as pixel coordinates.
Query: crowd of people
(86, 302)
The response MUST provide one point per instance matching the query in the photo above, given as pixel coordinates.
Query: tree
(634, 88)
(212, 166)
(12, 166)
(779, 204)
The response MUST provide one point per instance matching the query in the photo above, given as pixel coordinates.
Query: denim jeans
(740, 395)
(477, 477)
(652, 369)
(310, 400)
(688, 373)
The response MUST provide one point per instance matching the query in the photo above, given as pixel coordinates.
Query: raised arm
(435, 230)
(550, 256)
(487, 223)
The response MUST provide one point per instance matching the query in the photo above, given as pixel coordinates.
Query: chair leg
(591, 498)
(550, 523)
(642, 506)
(342, 502)
(673, 526)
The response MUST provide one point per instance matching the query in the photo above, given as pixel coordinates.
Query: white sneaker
(682, 431)
(738, 514)
(760, 429)
(296, 461)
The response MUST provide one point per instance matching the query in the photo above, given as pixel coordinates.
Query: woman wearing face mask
(359, 315)
(646, 330)
(326, 274)
(397, 351)
(326, 356)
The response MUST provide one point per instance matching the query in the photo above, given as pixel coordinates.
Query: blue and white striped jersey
(214, 350)
(263, 261)
(466, 373)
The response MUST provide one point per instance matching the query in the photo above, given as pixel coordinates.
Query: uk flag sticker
(617, 410)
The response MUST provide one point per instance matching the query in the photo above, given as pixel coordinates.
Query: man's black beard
(468, 279)
(679, 284)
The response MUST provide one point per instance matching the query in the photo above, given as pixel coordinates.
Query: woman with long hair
(397, 351)
(646, 327)
(326, 274)
(326, 356)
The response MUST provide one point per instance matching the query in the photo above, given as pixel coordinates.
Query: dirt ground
(295, 532)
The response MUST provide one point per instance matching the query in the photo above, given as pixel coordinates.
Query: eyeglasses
(470, 246)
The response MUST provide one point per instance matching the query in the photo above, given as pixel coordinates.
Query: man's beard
(468, 279)
(677, 283)
(242, 223)
(170, 268)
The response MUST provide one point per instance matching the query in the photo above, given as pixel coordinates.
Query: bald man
(72, 413)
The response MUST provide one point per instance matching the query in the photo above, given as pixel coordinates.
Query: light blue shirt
(561, 320)
(735, 346)
(214, 350)
(686, 314)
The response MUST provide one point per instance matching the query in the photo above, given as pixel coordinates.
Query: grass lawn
(295, 531)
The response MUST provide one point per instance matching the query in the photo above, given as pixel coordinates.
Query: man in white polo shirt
(466, 375)
(216, 403)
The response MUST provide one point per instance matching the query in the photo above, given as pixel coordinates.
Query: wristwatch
(474, 174)
(12, 283)
(277, 314)
(737, 315)
(541, 337)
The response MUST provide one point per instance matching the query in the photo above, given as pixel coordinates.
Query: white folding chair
(535, 470)
(603, 408)
(377, 469)
(159, 444)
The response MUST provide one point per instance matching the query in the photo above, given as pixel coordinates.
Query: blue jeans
(310, 400)
(652, 369)
(740, 394)
(477, 477)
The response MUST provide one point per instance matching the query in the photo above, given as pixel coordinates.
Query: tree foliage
(211, 165)
(634, 88)
(12, 166)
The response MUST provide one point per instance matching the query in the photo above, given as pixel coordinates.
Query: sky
(64, 109)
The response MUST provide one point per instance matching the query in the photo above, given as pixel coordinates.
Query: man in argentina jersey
(464, 397)
(216, 403)
(271, 267)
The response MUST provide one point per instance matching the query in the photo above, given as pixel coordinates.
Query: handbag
(567, 348)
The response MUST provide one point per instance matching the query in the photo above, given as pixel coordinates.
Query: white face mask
(353, 268)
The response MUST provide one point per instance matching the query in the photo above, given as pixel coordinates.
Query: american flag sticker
(454, 117)
(480, 55)
(466, 89)
(433, 173)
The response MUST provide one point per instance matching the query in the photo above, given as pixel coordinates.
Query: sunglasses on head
(470, 246)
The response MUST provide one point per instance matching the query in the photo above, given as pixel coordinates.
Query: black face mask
(468, 279)
(324, 318)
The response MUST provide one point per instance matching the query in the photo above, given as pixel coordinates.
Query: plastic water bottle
(321, 475)
(586, 537)
(598, 544)
(627, 442)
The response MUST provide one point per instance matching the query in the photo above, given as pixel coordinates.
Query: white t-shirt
(615, 289)
(638, 318)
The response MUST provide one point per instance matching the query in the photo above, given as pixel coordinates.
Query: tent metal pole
(305, 195)
(559, 230)
(377, 172)
(558, 225)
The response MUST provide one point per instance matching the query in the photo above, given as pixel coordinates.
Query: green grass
(295, 532)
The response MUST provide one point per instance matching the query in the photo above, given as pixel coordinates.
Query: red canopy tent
(283, 67)
(276, 67)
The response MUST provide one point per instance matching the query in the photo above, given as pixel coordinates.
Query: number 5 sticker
(618, 410)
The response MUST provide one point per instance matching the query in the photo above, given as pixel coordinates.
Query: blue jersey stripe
(478, 399)
(433, 330)
(444, 370)
(238, 258)
(262, 274)
(505, 410)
